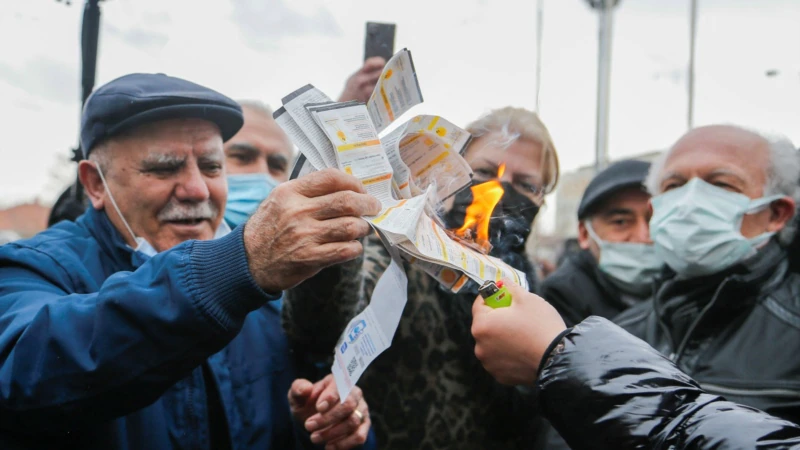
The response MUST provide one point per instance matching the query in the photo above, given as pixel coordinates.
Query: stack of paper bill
(410, 168)
(418, 163)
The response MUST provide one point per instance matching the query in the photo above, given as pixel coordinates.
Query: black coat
(604, 389)
(579, 289)
(737, 332)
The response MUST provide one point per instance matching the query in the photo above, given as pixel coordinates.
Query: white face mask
(632, 265)
(696, 228)
(142, 245)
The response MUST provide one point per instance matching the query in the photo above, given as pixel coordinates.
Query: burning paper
(476, 221)
(427, 150)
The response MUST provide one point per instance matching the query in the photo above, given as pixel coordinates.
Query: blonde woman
(428, 391)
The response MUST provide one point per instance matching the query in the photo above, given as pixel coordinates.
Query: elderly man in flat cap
(141, 324)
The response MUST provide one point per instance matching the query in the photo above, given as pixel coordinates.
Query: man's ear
(583, 235)
(781, 212)
(92, 183)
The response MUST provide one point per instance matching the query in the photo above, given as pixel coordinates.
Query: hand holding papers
(416, 165)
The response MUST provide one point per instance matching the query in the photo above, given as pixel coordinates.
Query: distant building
(22, 221)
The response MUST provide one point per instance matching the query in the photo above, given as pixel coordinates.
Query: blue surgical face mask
(695, 228)
(631, 265)
(245, 193)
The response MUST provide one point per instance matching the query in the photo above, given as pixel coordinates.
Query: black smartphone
(379, 40)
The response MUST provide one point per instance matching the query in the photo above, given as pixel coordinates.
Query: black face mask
(509, 225)
(511, 219)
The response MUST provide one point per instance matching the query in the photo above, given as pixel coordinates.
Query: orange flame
(485, 197)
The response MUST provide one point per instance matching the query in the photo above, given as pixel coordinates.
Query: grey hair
(513, 124)
(257, 106)
(783, 174)
(101, 157)
(263, 108)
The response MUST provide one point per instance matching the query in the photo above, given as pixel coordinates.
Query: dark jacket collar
(588, 263)
(110, 240)
(680, 302)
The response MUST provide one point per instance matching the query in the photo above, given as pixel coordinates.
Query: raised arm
(605, 389)
(65, 358)
(72, 352)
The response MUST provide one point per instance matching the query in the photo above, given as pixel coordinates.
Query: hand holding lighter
(495, 295)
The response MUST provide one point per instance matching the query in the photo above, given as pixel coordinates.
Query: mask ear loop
(758, 205)
(114, 203)
(762, 203)
(588, 224)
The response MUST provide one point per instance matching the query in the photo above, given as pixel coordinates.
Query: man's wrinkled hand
(306, 225)
(510, 341)
(360, 85)
(338, 425)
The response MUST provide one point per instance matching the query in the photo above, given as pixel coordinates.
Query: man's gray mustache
(175, 210)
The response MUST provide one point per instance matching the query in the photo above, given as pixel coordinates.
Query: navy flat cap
(141, 98)
(620, 175)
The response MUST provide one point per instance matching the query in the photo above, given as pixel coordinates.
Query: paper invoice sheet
(295, 104)
(290, 127)
(397, 91)
(357, 150)
(426, 151)
(370, 332)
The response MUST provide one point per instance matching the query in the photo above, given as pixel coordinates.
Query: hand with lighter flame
(514, 166)
(510, 341)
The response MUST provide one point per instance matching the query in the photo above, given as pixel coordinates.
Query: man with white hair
(727, 310)
(144, 323)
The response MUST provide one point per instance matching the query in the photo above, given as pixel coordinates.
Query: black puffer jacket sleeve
(606, 389)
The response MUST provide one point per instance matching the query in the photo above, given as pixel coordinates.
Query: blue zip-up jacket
(104, 348)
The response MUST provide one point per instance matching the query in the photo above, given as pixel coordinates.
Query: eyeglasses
(524, 187)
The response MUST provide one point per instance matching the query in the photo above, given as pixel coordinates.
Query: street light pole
(70, 204)
(539, 21)
(90, 34)
(690, 83)
(605, 28)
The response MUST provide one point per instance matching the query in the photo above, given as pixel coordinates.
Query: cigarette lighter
(495, 295)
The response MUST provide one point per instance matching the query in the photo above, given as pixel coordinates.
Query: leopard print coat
(428, 390)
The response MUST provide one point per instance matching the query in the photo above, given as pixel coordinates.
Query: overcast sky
(470, 55)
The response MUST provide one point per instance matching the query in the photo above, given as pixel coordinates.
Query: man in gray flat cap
(617, 263)
(140, 325)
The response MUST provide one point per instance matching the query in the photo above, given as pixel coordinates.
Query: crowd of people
(196, 301)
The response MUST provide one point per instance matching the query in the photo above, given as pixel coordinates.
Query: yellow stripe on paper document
(344, 148)
(377, 179)
(386, 213)
(441, 242)
(434, 162)
(386, 102)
